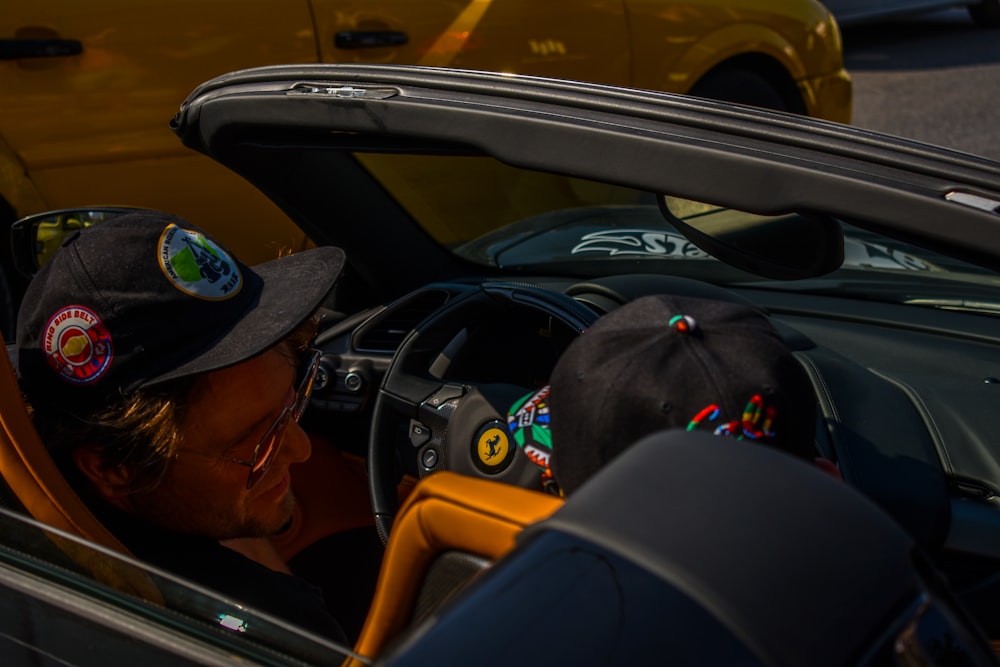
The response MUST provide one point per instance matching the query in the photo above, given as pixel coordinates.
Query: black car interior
(911, 433)
(713, 599)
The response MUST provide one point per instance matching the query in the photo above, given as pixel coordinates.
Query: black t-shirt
(208, 563)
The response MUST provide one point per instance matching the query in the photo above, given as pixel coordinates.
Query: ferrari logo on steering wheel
(492, 452)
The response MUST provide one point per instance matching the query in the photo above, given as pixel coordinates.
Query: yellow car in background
(88, 89)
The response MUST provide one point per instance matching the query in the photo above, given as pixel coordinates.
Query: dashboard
(905, 396)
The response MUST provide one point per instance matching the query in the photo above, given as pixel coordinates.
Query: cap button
(683, 323)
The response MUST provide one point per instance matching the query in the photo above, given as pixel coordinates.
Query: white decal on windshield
(639, 242)
(874, 256)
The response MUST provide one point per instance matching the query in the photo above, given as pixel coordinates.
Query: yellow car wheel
(743, 86)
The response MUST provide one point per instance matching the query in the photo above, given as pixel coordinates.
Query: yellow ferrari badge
(493, 447)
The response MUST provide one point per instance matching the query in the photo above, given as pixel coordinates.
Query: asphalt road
(934, 77)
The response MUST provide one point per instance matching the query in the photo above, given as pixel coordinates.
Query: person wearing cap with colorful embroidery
(663, 362)
(167, 379)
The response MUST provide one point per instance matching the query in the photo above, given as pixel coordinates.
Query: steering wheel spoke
(429, 432)
(407, 393)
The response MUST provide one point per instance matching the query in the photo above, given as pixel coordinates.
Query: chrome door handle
(15, 49)
(369, 39)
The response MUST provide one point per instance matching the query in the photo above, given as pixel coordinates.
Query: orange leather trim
(32, 474)
(445, 511)
(33, 477)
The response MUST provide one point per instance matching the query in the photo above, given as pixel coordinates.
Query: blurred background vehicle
(851, 12)
(87, 89)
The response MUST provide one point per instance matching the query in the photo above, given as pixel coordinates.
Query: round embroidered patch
(77, 345)
(197, 266)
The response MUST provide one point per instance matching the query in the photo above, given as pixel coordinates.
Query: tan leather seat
(445, 512)
(41, 489)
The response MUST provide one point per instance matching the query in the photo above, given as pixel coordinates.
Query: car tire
(742, 87)
(986, 13)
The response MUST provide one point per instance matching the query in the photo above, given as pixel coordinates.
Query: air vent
(386, 331)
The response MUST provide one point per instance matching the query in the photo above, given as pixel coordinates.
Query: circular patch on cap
(77, 345)
(197, 266)
(492, 452)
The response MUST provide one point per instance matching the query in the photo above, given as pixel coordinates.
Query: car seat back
(449, 528)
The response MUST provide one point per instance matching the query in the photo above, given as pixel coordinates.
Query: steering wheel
(453, 425)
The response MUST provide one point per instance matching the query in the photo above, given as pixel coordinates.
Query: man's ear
(111, 483)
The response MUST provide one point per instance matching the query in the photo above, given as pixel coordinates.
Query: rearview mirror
(34, 239)
(784, 247)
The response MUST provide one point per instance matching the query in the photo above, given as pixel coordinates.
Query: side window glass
(60, 595)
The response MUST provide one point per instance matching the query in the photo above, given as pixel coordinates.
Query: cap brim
(294, 287)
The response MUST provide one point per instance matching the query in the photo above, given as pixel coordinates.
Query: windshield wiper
(964, 305)
(928, 292)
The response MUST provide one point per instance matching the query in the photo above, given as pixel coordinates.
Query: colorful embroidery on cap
(77, 345)
(197, 266)
(755, 423)
(758, 419)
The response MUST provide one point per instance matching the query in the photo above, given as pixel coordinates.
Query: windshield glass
(534, 221)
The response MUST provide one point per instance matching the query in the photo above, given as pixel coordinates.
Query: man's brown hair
(141, 432)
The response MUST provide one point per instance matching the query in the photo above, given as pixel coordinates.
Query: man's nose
(297, 446)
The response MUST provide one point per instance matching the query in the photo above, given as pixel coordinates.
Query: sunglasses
(270, 443)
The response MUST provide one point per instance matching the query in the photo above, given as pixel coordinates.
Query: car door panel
(136, 60)
(90, 124)
(545, 39)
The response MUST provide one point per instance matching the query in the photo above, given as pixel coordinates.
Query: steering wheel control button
(491, 450)
(445, 394)
(429, 458)
(419, 434)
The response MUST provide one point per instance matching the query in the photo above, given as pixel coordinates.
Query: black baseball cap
(662, 362)
(145, 298)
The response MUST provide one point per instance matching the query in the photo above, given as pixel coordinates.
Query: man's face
(229, 412)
